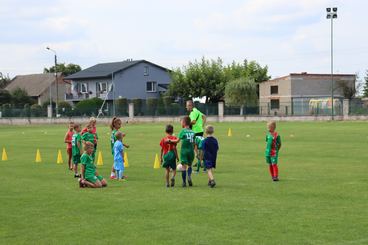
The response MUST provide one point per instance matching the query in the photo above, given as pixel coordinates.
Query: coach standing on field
(198, 119)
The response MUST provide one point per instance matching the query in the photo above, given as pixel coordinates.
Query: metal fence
(298, 107)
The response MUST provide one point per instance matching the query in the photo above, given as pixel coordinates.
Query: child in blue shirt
(210, 148)
(119, 155)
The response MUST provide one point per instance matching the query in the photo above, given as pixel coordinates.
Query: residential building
(127, 79)
(304, 94)
(38, 86)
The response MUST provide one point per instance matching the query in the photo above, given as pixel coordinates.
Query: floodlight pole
(332, 14)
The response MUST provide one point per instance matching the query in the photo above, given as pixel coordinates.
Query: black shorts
(198, 134)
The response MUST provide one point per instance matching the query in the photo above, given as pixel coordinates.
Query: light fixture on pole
(332, 14)
(56, 82)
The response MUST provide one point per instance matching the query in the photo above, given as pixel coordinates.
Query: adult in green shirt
(197, 118)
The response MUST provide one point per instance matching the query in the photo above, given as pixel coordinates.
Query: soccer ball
(180, 167)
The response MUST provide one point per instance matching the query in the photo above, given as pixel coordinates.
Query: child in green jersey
(273, 141)
(115, 126)
(89, 137)
(198, 149)
(76, 148)
(90, 176)
(186, 136)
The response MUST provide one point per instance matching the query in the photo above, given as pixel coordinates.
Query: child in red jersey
(68, 140)
(169, 155)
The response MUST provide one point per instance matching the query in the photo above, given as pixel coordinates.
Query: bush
(6, 110)
(121, 107)
(27, 111)
(89, 107)
(36, 110)
(20, 97)
(65, 109)
(160, 106)
(137, 106)
(152, 105)
(5, 97)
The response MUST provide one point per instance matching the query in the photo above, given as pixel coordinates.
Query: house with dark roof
(38, 86)
(127, 79)
(305, 94)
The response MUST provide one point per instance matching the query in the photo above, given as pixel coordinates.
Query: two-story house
(127, 79)
(304, 94)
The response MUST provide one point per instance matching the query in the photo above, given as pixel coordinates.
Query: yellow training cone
(38, 156)
(126, 162)
(4, 156)
(99, 159)
(59, 158)
(229, 133)
(157, 162)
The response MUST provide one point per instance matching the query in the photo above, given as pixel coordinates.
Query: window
(102, 87)
(275, 104)
(151, 87)
(84, 88)
(146, 71)
(274, 89)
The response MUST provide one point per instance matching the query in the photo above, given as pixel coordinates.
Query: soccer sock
(184, 176)
(198, 165)
(275, 170)
(189, 173)
(271, 170)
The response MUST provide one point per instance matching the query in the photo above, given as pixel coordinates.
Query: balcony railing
(79, 96)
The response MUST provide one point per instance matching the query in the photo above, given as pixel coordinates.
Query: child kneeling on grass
(210, 148)
(169, 155)
(90, 176)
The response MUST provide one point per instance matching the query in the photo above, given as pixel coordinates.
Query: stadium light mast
(332, 14)
(56, 82)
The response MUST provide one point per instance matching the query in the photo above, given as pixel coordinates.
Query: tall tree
(365, 88)
(20, 97)
(4, 80)
(240, 92)
(66, 70)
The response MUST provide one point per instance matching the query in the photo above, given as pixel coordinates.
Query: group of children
(205, 149)
(82, 146)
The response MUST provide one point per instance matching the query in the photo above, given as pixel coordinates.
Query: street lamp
(332, 14)
(56, 82)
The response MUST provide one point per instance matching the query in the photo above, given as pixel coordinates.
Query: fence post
(49, 111)
(345, 108)
(131, 110)
(221, 111)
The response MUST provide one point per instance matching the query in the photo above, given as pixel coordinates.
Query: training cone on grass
(229, 132)
(38, 156)
(59, 159)
(4, 156)
(126, 162)
(157, 164)
(99, 159)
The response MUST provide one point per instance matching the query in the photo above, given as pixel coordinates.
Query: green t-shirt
(90, 168)
(88, 137)
(273, 142)
(77, 138)
(113, 139)
(187, 139)
(195, 114)
(199, 141)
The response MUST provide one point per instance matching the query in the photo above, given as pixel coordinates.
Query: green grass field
(322, 197)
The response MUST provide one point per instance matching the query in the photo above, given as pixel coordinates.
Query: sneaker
(125, 177)
(190, 183)
(172, 182)
(209, 182)
(213, 183)
(184, 184)
(167, 185)
(81, 184)
(112, 177)
(275, 179)
(77, 175)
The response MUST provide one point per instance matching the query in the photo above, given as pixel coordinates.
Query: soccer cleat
(167, 185)
(213, 183)
(184, 184)
(77, 175)
(172, 182)
(112, 177)
(209, 183)
(190, 183)
(275, 179)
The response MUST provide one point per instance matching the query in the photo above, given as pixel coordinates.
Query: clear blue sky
(287, 35)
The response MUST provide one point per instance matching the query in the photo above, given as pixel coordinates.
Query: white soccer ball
(180, 167)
